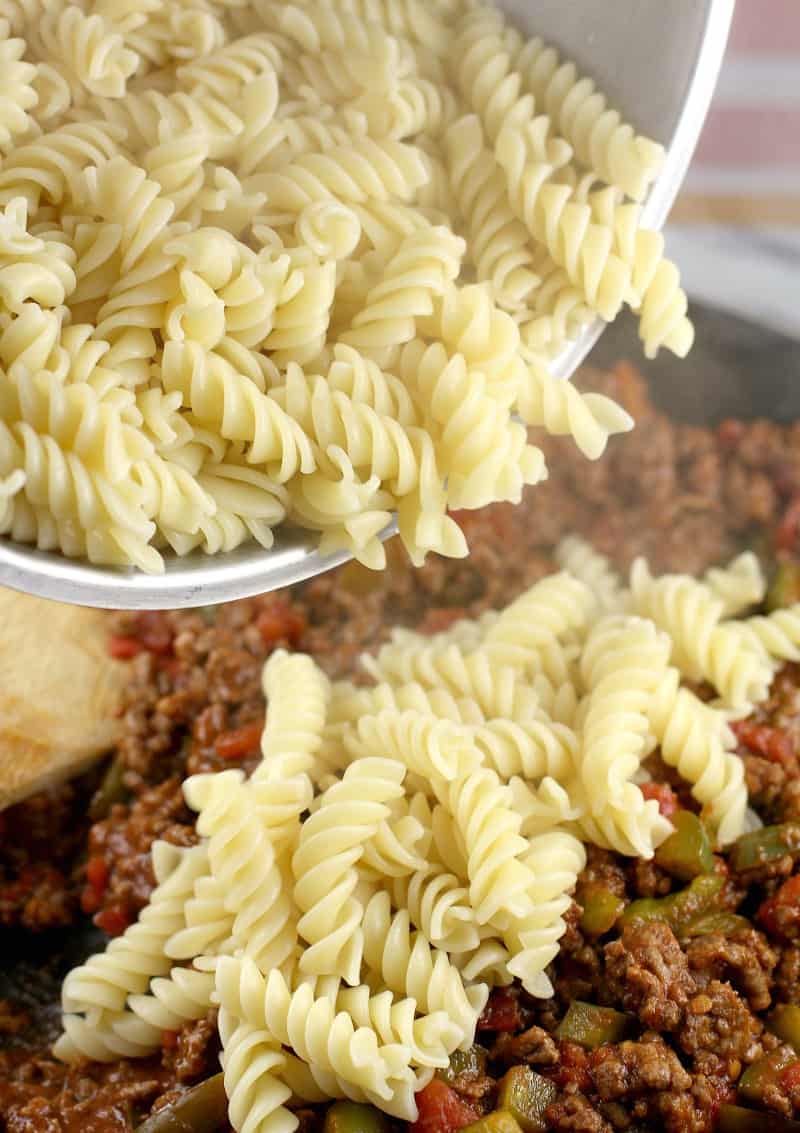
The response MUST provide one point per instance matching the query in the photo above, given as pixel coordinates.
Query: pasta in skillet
(200, 199)
(402, 847)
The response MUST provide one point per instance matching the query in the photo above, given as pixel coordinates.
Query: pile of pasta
(303, 262)
(404, 846)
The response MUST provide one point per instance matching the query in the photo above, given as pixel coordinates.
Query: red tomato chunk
(441, 1110)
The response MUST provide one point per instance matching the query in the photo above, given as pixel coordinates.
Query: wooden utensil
(59, 692)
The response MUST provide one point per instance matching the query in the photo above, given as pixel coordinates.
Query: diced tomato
(787, 530)
(113, 920)
(154, 632)
(789, 1077)
(97, 872)
(169, 1040)
(764, 740)
(280, 623)
(502, 1012)
(123, 648)
(239, 742)
(572, 1068)
(667, 799)
(90, 899)
(780, 913)
(442, 1110)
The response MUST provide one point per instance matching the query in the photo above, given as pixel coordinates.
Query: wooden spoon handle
(60, 692)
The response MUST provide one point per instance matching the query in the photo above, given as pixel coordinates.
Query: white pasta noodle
(623, 665)
(599, 136)
(589, 418)
(325, 881)
(131, 960)
(580, 559)
(310, 1024)
(242, 856)
(692, 740)
(19, 94)
(777, 633)
(739, 585)
(411, 967)
(703, 647)
(430, 747)
(438, 906)
(252, 1061)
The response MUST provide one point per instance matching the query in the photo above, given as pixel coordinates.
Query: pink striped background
(747, 165)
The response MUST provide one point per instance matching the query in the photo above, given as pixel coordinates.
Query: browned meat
(787, 975)
(534, 1047)
(574, 1113)
(647, 972)
(746, 960)
(633, 1068)
(719, 1020)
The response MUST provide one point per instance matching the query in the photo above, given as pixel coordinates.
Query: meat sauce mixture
(677, 988)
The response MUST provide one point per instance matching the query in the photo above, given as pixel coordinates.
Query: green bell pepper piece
(591, 1026)
(203, 1109)
(526, 1095)
(600, 907)
(351, 1117)
(784, 1022)
(471, 1061)
(687, 851)
(736, 1119)
(726, 924)
(679, 908)
(763, 1072)
(499, 1121)
(769, 844)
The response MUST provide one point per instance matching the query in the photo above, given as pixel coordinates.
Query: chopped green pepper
(590, 1025)
(726, 924)
(499, 1121)
(526, 1095)
(785, 1023)
(111, 790)
(351, 1117)
(764, 1072)
(687, 851)
(736, 1119)
(678, 908)
(200, 1110)
(600, 907)
(471, 1062)
(784, 589)
(769, 844)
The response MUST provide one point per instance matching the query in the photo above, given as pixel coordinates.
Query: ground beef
(647, 972)
(632, 1068)
(746, 960)
(124, 839)
(193, 1053)
(717, 1019)
(533, 1047)
(787, 975)
(580, 970)
(574, 1113)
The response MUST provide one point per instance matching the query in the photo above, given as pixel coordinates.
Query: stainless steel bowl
(658, 60)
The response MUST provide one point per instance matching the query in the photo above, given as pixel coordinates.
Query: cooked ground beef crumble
(696, 1008)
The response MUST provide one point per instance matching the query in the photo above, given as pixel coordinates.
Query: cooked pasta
(420, 185)
(403, 847)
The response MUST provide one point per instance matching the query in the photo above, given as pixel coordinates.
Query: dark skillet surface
(737, 369)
